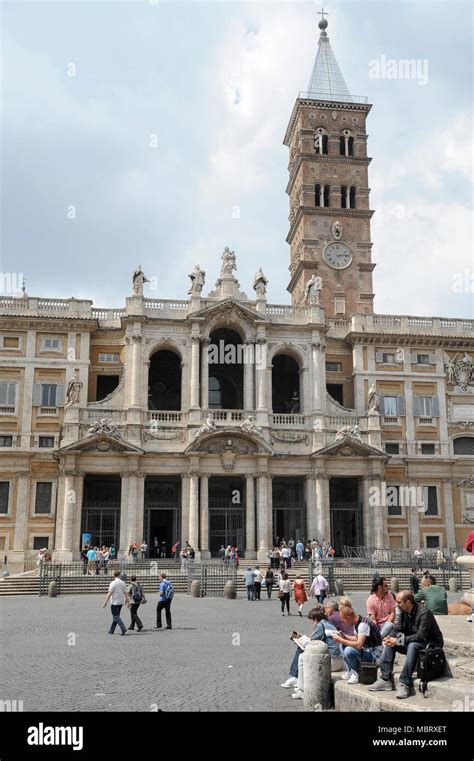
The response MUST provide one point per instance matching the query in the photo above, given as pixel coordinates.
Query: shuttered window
(44, 490)
(4, 497)
(430, 500)
(7, 393)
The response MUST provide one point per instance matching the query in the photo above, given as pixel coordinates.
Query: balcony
(47, 411)
(160, 418)
(289, 420)
(7, 409)
(390, 420)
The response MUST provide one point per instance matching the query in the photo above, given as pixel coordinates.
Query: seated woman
(324, 631)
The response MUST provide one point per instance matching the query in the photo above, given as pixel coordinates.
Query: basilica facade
(226, 419)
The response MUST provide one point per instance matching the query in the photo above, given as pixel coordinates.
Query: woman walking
(269, 579)
(299, 592)
(284, 586)
(319, 588)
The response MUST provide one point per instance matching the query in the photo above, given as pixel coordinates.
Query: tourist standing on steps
(300, 550)
(299, 592)
(269, 581)
(137, 598)
(164, 603)
(249, 581)
(284, 586)
(118, 593)
(258, 576)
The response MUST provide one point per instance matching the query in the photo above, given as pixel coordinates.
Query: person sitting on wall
(364, 646)
(433, 596)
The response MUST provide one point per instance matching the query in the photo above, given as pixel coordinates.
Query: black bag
(431, 665)
(367, 673)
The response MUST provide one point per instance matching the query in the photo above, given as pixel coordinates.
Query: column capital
(193, 472)
(125, 474)
(65, 471)
(318, 345)
(196, 340)
(140, 474)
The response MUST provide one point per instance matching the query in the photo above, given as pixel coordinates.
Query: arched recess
(164, 380)
(287, 394)
(463, 445)
(225, 361)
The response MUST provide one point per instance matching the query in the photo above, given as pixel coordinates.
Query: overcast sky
(167, 142)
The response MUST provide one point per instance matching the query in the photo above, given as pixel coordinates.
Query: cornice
(318, 211)
(326, 105)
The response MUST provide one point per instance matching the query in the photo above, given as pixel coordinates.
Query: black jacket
(421, 626)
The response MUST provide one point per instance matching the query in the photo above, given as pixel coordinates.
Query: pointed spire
(326, 80)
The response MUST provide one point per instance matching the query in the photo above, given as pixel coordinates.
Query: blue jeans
(250, 592)
(353, 657)
(116, 618)
(411, 652)
(294, 663)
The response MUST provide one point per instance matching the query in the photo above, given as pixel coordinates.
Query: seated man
(365, 645)
(381, 606)
(324, 631)
(417, 630)
(434, 597)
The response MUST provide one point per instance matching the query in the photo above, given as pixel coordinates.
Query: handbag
(280, 595)
(431, 665)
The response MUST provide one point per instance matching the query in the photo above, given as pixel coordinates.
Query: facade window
(430, 500)
(4, 497)
(464, 445)
(46, 442)
(334, 367)
(390, 406)
(425, 406)
(48, 395)
(10, 342)
(346, 144)
(392, 448)
(427, 449)
(51, 344)
(348, 197)
(321, 198)
(320, 141)
(44, 491)
(109, 358)
(105, 385)
(392, 497)
(422, 359)
(432, 541)
(7, 393)
(6, 441)
(39, 542)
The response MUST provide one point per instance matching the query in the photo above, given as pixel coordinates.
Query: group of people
(284, 552)
(254, 579)
(96, 559)
(402, 623)
(133, 596)
(186, 557)
(43, 556)
(229, 555)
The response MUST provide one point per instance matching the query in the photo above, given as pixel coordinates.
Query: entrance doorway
(289, 511)
(162, 514)
(346, 513)
(226, 513)
(101, 510)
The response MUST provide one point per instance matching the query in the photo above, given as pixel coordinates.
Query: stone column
(205, 551)
(16, 557)
(367, 512)
(323, 518)
(410, 421)
(449, 514)
(68, 510)
(262, 517)
(443, 419)
(132, 508)
(194, 511)
(136, 342)
(311, 507)
(28, 380)
(124, 512)
(249, 370)
(378, 508)
(140, 512)
(261, 373)
(205, 375)
(413, 519)
(77, 522)
(250, 551)
(195, 340)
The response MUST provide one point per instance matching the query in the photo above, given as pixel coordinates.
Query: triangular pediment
(229, 309)
(350, 446)
(100, 443)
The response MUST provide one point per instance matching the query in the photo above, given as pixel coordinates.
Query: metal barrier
(49, 572)
(212, 577)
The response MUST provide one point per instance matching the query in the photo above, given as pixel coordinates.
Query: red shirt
(380, 609)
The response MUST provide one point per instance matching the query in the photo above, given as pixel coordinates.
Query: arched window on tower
(352, 197)
(346, 143)
(344, 197)
(321, 141)
(321, 195)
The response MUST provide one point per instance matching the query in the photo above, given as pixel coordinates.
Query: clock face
(337, 255)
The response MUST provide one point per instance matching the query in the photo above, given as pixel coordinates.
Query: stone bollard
(195, 588)
(338, 588)
(453, 584)
(394, 585)
(53, 589)
(230, 592)
(317, 676)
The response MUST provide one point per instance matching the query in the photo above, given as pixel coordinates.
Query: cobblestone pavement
(56, 655)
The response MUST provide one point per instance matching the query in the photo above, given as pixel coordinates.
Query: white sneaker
(290, 682)
(354, 678)
(346, 675)
(469, 619)
(298, 694)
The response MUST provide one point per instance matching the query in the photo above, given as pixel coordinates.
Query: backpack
(375, 638)
(168, 593)
(137, 594)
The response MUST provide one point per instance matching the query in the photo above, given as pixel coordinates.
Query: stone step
(357, 697)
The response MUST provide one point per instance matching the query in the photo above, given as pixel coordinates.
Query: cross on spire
(322, 12)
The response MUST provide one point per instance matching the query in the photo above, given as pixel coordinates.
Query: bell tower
(330, 214)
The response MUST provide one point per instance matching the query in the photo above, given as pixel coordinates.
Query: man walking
(118, 593)
(300, 550)
(166, 595)
(137, 597)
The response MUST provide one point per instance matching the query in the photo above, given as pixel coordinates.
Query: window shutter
(3, 393)
(379, 356)
(435, 406)
(37, 394)
(11, 396)
(60, 395)
(432, 359)
(401, 406)
(414, 359)
(382, 405)
(416, 406)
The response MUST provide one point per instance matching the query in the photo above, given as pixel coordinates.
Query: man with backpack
(166, 596)
(137, 597)
(364, 646)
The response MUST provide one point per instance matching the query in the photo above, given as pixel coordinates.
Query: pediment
(350, 446)
(229, 438)
(230, 310)
(101, 443)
